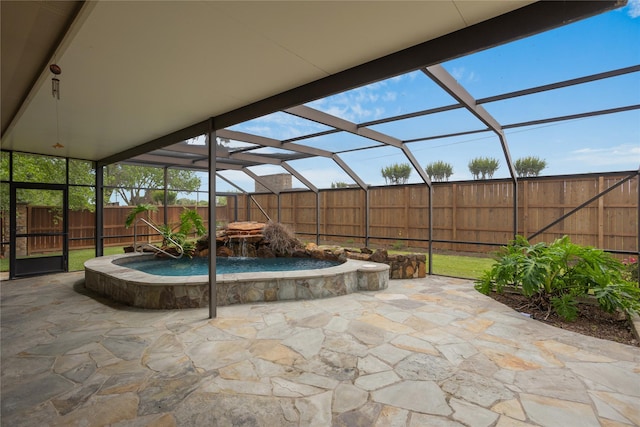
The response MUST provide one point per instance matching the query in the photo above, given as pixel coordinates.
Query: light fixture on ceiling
(55, 92)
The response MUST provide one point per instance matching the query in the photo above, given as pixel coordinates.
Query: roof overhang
(139, 76)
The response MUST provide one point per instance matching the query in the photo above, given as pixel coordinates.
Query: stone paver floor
(428, 352)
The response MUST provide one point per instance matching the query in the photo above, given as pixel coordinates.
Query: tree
(483, 167)
(157, 196)
(529, 166)
(339, 184)
(132, 183)
(51, 170)
(396, 173)
(439, 171)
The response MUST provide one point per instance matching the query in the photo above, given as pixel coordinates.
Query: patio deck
(424, 352)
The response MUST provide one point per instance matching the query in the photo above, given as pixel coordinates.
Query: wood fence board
(463, 211)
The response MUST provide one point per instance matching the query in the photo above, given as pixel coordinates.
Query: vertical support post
(213, 296)
(65, 215)
(65, 218)
(525, 207)
(454, 212)
(515, 206)
(601, 213)
(638, 226)
(366, 217)
(247, 206)
(165, 195)
(318, 218)
(279, 218)
(99, 218)
(407, 200)
(430, 188)
(13, 211)
(235, 210)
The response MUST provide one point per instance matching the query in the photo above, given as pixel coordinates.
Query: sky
(596, 144)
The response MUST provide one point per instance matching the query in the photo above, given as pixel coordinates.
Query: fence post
(525, 207)
(600, 213)
(454, 213)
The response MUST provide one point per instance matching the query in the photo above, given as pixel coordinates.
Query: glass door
(38, 229)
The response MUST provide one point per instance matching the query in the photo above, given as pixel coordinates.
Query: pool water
(200, 266)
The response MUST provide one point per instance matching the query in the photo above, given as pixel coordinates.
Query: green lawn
(76, 257)
(469, 267)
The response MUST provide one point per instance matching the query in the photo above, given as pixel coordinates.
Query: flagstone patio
(424, 352)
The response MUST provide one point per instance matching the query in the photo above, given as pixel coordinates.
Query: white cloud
(462, 75)
(389, 96)
(457, 73)
(633, 8)
(619, 155)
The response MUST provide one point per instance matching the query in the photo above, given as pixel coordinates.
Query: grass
(76, 257)
(468, 267)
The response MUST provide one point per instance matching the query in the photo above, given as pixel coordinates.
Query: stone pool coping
(110, 277)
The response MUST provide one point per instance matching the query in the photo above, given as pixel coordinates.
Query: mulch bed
(591, 319)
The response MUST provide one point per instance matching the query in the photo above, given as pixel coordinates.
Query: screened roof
(434, 83)
(439, 113)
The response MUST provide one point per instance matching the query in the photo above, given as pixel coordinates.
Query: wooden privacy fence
(42, 219)
(463, 213)
(469, 211)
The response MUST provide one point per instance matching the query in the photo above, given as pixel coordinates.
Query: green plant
(555, 275)
(397, 245)
(142, 208)
(483, 167)
(157, 196)
(190, 222)
(529, 166)
(439, 171)
(339, 184)
(631, 269)
(396, 173)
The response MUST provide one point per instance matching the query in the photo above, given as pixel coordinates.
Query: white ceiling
(135, 71)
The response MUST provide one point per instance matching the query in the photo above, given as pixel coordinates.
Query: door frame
(25, 267)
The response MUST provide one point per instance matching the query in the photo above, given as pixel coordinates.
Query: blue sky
(604, 143)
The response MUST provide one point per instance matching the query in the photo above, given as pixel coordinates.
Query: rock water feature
(247, 239)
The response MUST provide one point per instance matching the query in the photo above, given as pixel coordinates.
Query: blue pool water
(199, 266)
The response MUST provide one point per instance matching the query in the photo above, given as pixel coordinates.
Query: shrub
(529, 166)
(398, 173)
(281, 239)
(439, 171)
(555, 275)
(483, 167)
(631, 269)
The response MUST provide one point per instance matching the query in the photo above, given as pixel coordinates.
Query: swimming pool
(111, 276)
(224, 265)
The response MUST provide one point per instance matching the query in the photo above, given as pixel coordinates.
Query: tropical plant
(398, 173)
(554, 276)
(529, 166)
(631, 268)
(142, 208)
(439, 171)
(190, 222)
(483, 167)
